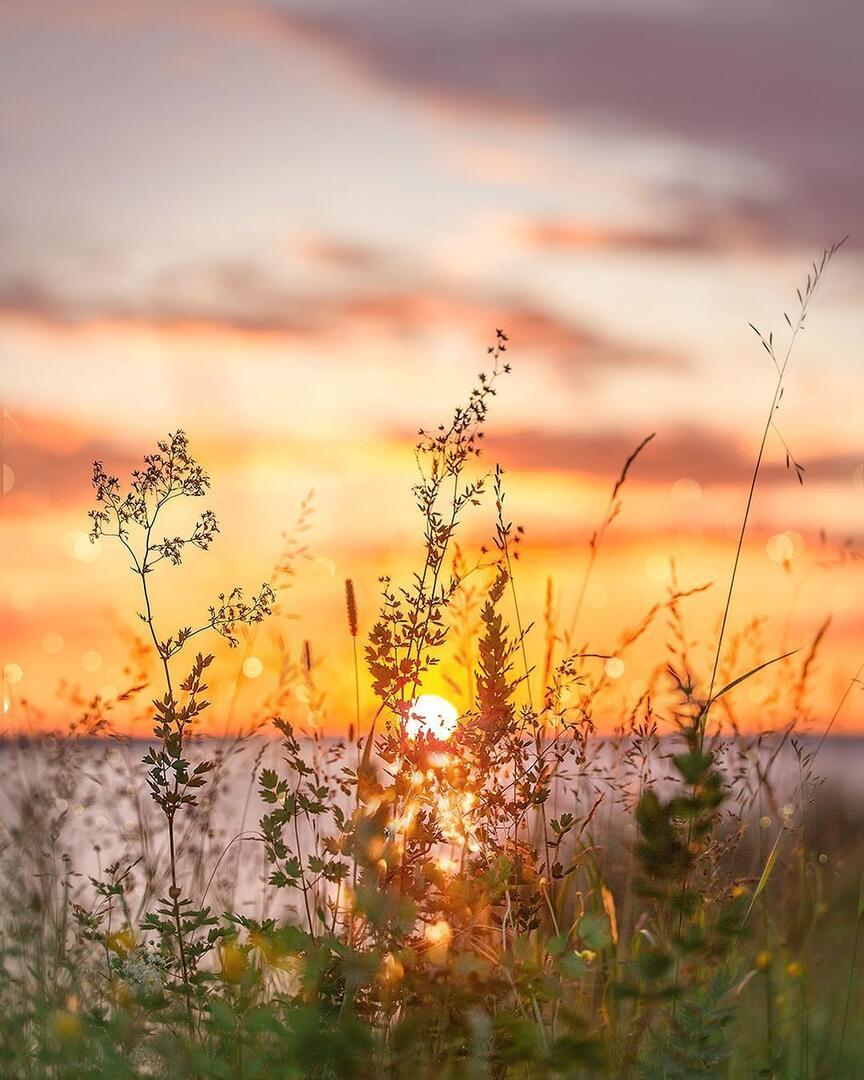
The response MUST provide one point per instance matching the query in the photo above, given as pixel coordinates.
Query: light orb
(252, 667)
(429, 714)
(614, 667)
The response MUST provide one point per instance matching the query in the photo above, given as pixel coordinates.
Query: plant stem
(775, 400)
(851, 978)
(142, 568)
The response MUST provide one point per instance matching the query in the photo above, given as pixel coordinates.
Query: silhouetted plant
(169, 474)
(459, 900)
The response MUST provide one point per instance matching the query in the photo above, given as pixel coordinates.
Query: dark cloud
(782, 82)
(707, 457)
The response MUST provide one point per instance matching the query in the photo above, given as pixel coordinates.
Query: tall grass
(508, 895)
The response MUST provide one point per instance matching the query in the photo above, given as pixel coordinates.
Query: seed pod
(351, 605)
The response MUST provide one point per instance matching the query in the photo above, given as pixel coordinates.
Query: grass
(517, 899)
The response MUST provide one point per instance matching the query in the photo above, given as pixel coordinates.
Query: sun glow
(431, 715)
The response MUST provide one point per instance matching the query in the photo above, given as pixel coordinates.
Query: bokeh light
(614, 667)
(784, 546)
(252, 667)
(13, 673)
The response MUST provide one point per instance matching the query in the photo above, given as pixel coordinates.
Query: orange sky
(291, 229)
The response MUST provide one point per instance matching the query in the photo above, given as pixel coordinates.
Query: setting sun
(432, 578)
(431, 715)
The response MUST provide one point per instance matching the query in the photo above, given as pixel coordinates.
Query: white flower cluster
(142, 973)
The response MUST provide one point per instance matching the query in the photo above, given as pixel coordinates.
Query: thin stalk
(304, 884)
(612, 508)
(769, 421)
(851, 978)
(357, 697)
(141, 568)
(175, 889)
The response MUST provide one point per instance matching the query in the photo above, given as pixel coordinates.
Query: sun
(431, 715)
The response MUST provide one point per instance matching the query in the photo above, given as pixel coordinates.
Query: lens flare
(431, 715)
(438, 936)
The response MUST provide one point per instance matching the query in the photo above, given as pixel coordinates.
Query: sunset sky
(291, 228)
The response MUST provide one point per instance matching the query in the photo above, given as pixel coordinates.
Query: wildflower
(233, 962)
(142, 974)
(264, 945)
(271, 952)
(66, 1025)
(121, 942)
(763, 960)
(795, 969)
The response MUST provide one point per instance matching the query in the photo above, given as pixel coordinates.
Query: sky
(291, 228)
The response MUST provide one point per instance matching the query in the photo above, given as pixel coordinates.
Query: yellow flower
(66, 1025)
(264, 945)
(763, 960)
(121, 942)
(272, 954)
(233, 962)
(795, 969)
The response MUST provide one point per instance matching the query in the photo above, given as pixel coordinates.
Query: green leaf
(222, 1015)
(571, 965)
(594, 931)
(557, 945)
(766, 873)
(693, 765)
(653, 964)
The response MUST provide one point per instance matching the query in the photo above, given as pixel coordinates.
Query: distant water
(89, 801)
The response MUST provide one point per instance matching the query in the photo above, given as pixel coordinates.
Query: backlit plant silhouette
(492, 891)
(168, 475)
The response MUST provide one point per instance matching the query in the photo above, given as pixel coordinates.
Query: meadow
(496, 891)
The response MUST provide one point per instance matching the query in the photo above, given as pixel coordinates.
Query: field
(490, 891)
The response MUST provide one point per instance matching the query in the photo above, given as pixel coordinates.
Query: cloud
(341, 254)
(238, 297)
(232, 295)
(54, 455)
(29, 298)
(767, 83)
(696, 454)
(779, 85)
(698, 234)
